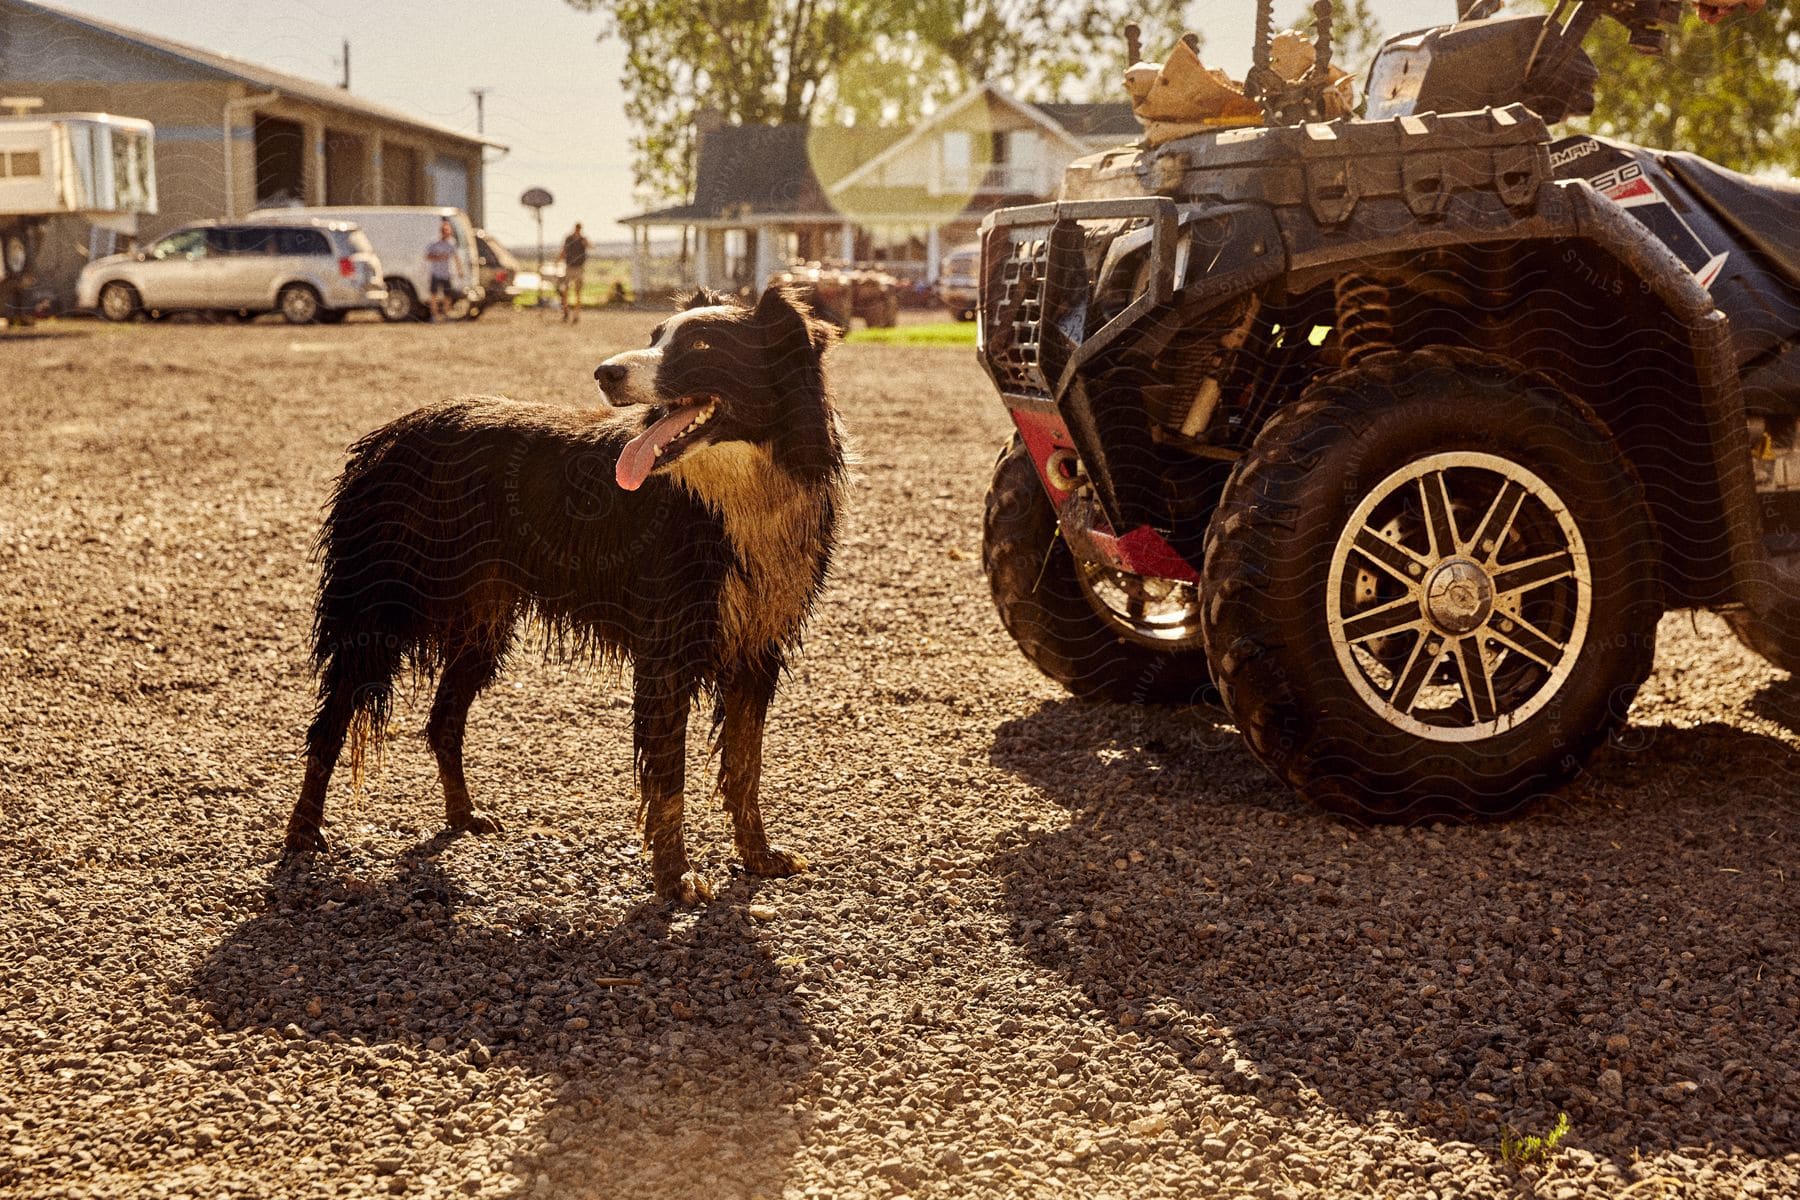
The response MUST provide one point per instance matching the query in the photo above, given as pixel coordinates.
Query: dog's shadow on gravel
(1623, 952)
(659, 1042)
(1779, 702)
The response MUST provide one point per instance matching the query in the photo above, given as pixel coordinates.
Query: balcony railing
(1009, 178)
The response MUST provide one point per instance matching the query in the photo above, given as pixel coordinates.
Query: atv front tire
(1431, 588)
(1051, 606)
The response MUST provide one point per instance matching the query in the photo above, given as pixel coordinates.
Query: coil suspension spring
(1365, 316)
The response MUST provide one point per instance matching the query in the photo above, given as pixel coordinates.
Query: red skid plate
(1141, 551)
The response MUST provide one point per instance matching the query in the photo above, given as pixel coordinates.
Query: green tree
(1053, 50)
(753, 61)
(1073, 50)
(1730, 92)
(874, 61)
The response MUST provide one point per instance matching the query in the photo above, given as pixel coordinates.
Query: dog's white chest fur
(773, 523)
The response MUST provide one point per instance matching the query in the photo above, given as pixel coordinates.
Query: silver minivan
(307, 271)
(400, 235)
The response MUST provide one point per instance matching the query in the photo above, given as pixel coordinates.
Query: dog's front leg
(470, 671)
(747, 696)
(659, 736)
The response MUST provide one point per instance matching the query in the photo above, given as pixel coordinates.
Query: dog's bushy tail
(367, 622)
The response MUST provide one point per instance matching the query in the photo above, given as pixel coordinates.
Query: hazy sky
(555, 96)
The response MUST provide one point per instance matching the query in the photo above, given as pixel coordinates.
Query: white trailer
(95, 167)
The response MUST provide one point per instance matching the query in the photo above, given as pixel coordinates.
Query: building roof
(1094, 120)
(225, 66)
(743, 170)
(756, 168)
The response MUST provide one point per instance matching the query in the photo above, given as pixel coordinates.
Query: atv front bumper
(1064, 283)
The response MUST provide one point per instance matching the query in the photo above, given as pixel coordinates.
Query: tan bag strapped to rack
(1185, 96)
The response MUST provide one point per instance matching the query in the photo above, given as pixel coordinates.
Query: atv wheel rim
(1459, 596)
(1160, 613)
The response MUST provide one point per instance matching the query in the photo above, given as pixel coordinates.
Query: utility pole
(345, 82)
(480, 94)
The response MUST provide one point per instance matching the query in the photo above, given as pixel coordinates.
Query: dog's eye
(699, 344)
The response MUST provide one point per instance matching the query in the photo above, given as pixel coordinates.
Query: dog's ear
(782, 317)
(780, 307)
(796, 346)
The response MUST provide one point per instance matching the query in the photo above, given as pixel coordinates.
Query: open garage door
(280, 161)
(348, 177)
(400, 175)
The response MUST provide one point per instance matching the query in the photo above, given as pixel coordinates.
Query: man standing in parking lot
(441, 257)
(574, 260)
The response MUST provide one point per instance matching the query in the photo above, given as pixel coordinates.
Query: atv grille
(1017, 312)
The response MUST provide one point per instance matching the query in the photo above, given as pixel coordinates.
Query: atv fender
(1722, 512)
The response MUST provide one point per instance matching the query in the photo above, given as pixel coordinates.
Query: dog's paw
(686, 889)
(473, 822)
(304, 841)
(775, 862)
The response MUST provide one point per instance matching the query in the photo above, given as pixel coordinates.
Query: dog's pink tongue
(639, 456)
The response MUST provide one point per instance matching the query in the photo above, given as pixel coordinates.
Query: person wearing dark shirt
(574, 260)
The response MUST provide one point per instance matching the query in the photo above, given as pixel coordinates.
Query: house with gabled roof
(765, 195)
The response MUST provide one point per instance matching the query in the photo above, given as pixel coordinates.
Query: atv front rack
(1046, 268)
(1039, 287)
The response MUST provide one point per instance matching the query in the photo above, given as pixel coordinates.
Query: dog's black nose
(609, 374)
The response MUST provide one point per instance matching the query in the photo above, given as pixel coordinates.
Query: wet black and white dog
(688, 529)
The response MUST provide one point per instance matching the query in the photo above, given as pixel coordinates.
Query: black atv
(1402, 431)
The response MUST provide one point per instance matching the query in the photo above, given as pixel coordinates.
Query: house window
(1018, 162)
(958, 150)
(131, 170)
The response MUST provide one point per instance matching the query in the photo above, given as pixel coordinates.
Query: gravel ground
(1047, 948)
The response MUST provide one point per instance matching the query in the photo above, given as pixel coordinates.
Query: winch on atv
(1396, 433)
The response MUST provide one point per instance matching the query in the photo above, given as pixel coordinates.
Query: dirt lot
(1047, 948)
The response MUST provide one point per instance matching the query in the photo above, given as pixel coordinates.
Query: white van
(400, 235)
